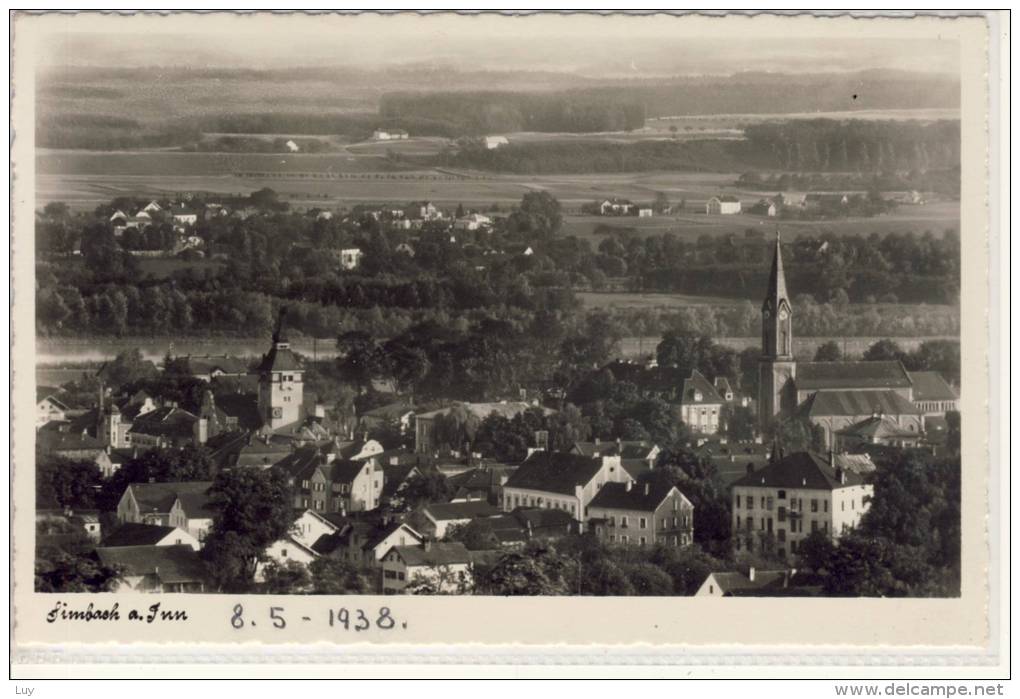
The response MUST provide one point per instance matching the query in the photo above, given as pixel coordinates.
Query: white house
(281, 552)
(348, 258)
(724, 205)
(133, 534)
(494, 142)
(293, 147)
(310, 526)
(389, 135)
(174, 568)
(473, 222)
(442, 516)
(446, 566)
(48, 408)
(561, 481)
(186, 505)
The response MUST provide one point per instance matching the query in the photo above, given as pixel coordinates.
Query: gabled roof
(543, 517)
(442, 512)
(171, 564)
(735, 583)
(554, 472)
(53, 440)
(439, 553)
(160, 498)
(722, 385)
(627, 449)
(851, 403)
(47, 393)
(929, 385)
(831, 375)
(394, 476)
(697, 383)
(645, 497)
(344, 471)
(301, 463)
(380, 534)
(209, 364)
(775, 292)
(242, 406)
(390, 411)
(170, 422)
(727, 199)
(802, 469)
(134, 534)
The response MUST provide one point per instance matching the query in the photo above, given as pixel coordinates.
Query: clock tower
(281, 389)
(777, 368)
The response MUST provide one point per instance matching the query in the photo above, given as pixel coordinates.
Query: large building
(281, 386)
(831, 395)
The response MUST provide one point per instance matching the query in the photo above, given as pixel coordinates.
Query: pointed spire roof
(777, 279)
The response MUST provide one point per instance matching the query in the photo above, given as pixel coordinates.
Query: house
(877, 429)
(186, 505)
(700, 404)
(636, 456)
(183, 215)
(777, 507)
(89, 522)
(74, 445)
(292, 147)
(482, 483)
(722, 205)
(48, 407)
(389, 135)
(310, 526)
(560, 481)
(615, 207)
(426, 211)
(208, 367)
(281, 552)
(642, 514)
(424, 423)
(151, 208)
(136, 534)
(325, 484)
(443, 566)
(168, 427)
(739, 584)
(395, 479)
(494, 142)
(473, 222)
(397, 414)
(731, 459)
(405, 248)
(281, 384)
(932, 394)
(645, 212)
(442, 516)
(348, 258)
(175, 568)
(358, 449)
(366, 543)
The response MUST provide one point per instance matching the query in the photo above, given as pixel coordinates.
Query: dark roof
(160, 497)
(328, 543)
(394, 476)
(633, 449)
(301, 463)
(53, 440)
(171, 564)
(698, 383)
(279, 358)
(929, 385)
(775, 292)
(645, 497)
(850, 403)
(438, 553)
(461, 510)
(379, 535)
(390, 411)
(133, 534)
(243, 406)
(734, 583)
(170, 422)
(801, 469)
(345, 471)
(727, 198)
(44, 392)
(825, 375)
(554, 472)
(543, 517)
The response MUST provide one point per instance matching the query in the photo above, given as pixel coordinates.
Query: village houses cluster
(346, 488)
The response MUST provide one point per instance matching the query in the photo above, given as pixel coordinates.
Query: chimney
(596, 441)
(427, 544)
(647, 488)
(629, 485)
(841, 475)
(750, 573)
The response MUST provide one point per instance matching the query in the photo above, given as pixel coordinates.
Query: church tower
(281, 389)
(777, 368)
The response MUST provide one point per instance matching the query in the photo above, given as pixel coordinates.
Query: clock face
(782, 314)
(277, 412)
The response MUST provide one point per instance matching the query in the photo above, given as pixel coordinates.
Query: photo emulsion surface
(602, 311)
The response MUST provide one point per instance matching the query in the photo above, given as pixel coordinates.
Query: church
(833, 395)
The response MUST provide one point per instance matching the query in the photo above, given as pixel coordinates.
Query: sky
(584, 45)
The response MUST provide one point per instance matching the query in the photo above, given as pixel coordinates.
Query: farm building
(724, 205)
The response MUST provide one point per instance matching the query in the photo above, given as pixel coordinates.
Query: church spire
(777, 279)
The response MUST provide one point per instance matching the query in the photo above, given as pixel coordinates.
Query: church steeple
(776, 311)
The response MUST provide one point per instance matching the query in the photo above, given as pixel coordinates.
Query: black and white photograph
(597, 314)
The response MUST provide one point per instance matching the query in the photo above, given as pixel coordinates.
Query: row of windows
(767, 503)
(538, 501)
(393, 574)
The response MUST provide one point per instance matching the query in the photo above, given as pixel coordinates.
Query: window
(612, 537)
(642, 523)
(400, 575)
(623, 523)
(825, 505)
(782, 514)
(750, 502)
(612, 521)
(814, 504)
(814, 526)
(390, 574)
(624, 539)
(283, 553)
(750, 523)
(842, 506)
(793, 547)
(738, 502)
(642, 541)
(782, 494)
(769, 503)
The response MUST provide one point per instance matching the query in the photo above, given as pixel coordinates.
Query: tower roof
(777, 279)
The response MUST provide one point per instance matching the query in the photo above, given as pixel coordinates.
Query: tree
(740, 423)
(476, 535)
(127, 367)
(535, 571)
(884, 350)
(190, 463)
(816, 551)
(285, 579)
(661, 203)
(828, 352)
(333, 576)
(648, 579)
(254, 509)
(428, 487)
(61, 482)
(60, 571)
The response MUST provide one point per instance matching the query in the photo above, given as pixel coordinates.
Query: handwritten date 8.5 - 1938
(343, 618)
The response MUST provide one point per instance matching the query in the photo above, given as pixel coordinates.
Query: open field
(639, 301)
